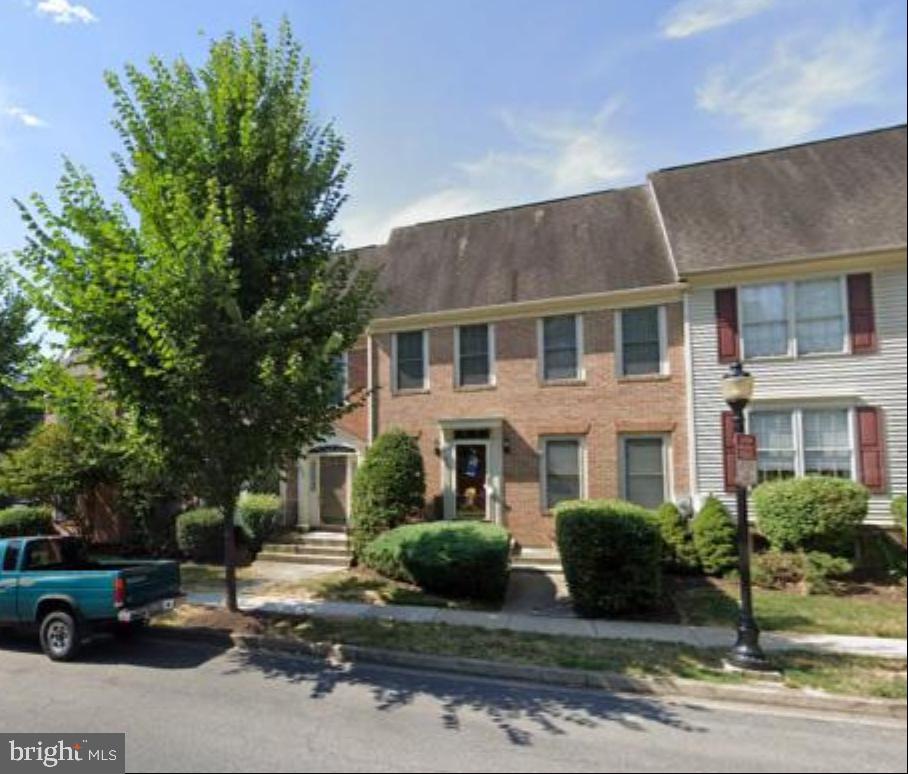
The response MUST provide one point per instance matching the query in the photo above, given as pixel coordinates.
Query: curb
(765, 695)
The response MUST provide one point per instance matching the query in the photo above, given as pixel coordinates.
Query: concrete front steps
(326, 548)
(539, 559)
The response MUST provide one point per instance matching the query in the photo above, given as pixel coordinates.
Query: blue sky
(457, 106)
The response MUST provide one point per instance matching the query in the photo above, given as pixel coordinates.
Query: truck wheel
(59, 634)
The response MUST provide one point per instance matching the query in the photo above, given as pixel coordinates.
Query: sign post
(745, 460)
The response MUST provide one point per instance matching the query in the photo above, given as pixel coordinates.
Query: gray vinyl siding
(878, 379)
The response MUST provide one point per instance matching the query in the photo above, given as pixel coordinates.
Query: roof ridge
(524, 205)
(778, 149)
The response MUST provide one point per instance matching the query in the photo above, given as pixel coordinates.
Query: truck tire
(60, 636)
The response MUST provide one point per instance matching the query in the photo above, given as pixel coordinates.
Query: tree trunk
(229, 509)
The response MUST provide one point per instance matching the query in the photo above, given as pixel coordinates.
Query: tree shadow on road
(521, 712)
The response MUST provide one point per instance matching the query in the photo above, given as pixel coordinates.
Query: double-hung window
(644, 470)
(641, 341)
(801, 441)
(341, 379)
(562, 470)
(561, 344)
(475, 355)
(806, 317)
(411, 355)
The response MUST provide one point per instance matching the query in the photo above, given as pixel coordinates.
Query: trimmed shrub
(778, 569)
(822, 569)
(814, 571)
(200, 536)
(259, 515)
(451, 558)
(898, 513)
(678, 551)
(816, 513)
(611, 552)
(25, 520)
(715, 538)
(389, 487)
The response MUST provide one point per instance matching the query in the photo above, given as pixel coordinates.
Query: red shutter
(871, 454)
(860, 313)
(727, 325)
(356, 370)
(729, 457)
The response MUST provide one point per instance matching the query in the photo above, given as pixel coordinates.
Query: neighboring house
(574, 348)
(795, 264)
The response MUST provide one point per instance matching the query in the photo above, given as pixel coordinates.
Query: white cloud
(805, 80)
(25, 117)
(691, 17)
(552, 156)
(64, 12)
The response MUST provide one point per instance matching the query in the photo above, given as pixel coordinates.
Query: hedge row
(200, 532)
(25, 520)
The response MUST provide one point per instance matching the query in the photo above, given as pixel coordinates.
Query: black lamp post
(737, 389)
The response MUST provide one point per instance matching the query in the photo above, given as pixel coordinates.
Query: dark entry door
(332, 495)
(470, 480)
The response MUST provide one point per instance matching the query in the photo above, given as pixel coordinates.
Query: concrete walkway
(696, 636)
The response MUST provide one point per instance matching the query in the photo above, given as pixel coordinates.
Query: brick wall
(601, 408)
(357, 421)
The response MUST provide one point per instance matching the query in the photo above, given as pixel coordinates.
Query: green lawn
(835, 674)
(871, 614)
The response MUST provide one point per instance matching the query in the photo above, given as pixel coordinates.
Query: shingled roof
(822, 198)
(584, 244)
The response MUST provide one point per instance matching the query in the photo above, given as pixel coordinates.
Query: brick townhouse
(571, 348)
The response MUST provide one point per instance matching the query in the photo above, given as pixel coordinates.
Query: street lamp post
(737, 389)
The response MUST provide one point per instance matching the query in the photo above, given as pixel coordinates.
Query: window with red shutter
(860, 313)
(727, 325)
(871, 452)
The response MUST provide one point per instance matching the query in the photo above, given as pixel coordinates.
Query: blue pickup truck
(50, 584)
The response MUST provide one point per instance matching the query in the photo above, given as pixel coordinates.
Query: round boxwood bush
(611, 552)
(389, 486)
(260, 516)
(25, 520)
(678, 551)
(715, 538)
(814, 513)
(200, 536)
(466, 559)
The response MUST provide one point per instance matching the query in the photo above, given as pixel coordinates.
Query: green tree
(20, 410)
(214, 299)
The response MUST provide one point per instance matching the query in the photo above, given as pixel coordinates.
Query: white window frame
(425, 356)
(492, 380)
(792, 352)
(663, 343)
(543, 466)
(540, 349)
(668, 486)
(797, 428)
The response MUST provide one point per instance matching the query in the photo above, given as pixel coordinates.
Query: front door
(470, 480)
(332, 491)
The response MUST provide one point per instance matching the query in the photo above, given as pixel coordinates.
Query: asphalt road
(202, 708)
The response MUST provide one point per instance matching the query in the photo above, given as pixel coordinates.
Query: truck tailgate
(150, 581)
